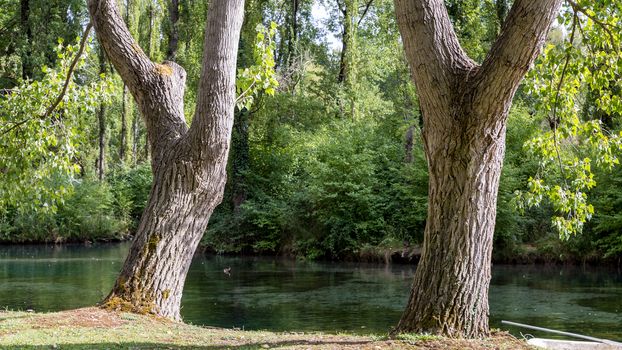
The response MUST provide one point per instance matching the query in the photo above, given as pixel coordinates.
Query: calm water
(271, 294)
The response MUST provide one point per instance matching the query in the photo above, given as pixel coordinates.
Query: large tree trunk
(188, 163)
(450, 290)
(464, 109)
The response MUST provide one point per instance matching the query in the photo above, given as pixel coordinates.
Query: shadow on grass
(145, 346)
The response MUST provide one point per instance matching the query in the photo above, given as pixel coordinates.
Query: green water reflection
(274, 294)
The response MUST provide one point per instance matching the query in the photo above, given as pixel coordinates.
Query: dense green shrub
(130, 189)
(87, 214)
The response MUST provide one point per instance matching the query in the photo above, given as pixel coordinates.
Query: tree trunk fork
(188, 162)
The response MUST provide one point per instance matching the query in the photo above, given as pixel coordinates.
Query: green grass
(93, 328)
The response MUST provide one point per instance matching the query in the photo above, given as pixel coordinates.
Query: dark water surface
(275, 294)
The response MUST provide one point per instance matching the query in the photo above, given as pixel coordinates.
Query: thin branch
(364, 12)
(559, 86)
(243, 94)
(14, 126)
(72, 67)
(9, 25)
(59, 98)
(605, 26)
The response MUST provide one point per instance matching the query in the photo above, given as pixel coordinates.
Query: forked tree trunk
(464, 107)
(189, 164)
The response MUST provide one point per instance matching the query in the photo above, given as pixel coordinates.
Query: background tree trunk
(464, 108)
(101, 118)
(124, 133)
(27, 68)
(189, 164)
(173, 34)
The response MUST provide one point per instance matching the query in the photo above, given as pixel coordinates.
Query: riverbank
(94, 328)
(551, 253)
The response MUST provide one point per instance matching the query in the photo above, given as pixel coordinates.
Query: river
(285, 295)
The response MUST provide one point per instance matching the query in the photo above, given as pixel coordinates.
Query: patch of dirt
(90, 317)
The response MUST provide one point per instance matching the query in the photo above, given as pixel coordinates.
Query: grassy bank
(93, 328)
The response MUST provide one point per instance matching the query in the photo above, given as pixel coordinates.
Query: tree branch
(158, 89)
(431, 46)
(60, 96)
(72, 67)
(578, 8)
(128, 58)
(554, 119)
(364, 12)
(216, 92)
(512, 54)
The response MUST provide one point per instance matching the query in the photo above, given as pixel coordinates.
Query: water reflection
(275, 294)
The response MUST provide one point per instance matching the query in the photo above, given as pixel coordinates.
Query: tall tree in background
(352, 15)
(101, 121)
(27, 33)
(239, 156)
(188, 163)
(465, 108)
(173, 32)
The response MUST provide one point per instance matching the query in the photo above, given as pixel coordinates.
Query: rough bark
(501, 9)
(188, 163)
(464, 109)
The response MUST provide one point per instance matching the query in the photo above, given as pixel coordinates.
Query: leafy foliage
(588, 63)
(319, 168)
(259, 77)
(38, 151)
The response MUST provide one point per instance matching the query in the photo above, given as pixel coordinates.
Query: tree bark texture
(188, 163)
(465, 108)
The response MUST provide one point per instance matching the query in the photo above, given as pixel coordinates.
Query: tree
(188, 163)
(101, 121)
(465, 108)
(173, 32)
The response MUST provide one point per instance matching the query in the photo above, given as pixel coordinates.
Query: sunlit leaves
(261, 76)
(38, 153)
(576, 89)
